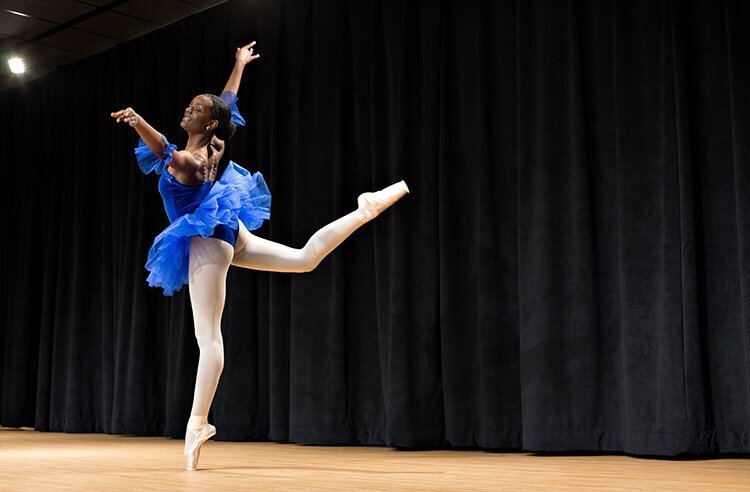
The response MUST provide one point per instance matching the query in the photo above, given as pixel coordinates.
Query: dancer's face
(197, 118)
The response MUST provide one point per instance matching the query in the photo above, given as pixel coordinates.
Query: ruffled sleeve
(230, 98)
(150, 162)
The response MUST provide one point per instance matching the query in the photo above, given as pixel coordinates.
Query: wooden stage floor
(31, 460)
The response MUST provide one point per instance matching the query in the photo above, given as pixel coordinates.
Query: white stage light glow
(16, 65)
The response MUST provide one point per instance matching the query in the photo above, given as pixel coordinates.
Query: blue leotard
(180, 199)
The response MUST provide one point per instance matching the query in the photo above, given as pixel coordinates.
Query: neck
(197, 141)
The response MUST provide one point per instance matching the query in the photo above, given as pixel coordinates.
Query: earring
(207, 128)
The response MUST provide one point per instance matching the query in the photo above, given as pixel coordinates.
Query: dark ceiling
(50, 33)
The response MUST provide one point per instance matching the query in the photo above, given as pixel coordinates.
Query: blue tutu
(237, 196)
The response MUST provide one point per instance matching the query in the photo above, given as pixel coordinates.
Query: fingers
(126, 115)
(120, 114)
(247, 47)
(245, 54)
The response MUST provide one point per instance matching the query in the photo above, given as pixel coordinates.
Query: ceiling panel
(161, 11)
(64, 31)
(114, 25)
(22, 27)
(203, 3)
(78, 41)
(98, 3)
(5, 43)
(8, 43)
(47, 56)
(48, 10)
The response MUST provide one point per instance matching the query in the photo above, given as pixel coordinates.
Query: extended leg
(209, 262)
(261, 254)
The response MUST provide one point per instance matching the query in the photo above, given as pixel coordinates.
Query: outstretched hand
(126, 115)
(245, 54)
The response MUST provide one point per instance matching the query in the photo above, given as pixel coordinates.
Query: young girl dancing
(210, 224)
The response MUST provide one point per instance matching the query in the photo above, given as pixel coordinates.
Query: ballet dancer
(210, 224)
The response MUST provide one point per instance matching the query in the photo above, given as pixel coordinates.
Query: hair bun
(225, 132)
(223, 115)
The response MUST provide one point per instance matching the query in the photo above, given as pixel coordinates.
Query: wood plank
(31, 460)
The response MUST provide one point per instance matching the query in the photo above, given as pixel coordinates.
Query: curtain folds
(571, 270)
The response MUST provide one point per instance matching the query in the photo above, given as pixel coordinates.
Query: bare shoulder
(187, 166)
(186, 161)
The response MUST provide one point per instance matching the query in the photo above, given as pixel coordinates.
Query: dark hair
(221, 113)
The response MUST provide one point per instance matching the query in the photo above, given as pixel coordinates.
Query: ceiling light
(16, 13)
(16, 65)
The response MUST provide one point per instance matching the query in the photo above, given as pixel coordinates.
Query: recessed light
(16, 65)
(16, 13)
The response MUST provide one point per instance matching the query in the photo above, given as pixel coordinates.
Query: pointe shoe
(193, 443)
(372, 203)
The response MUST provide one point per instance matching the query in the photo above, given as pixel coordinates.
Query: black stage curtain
(570, 272)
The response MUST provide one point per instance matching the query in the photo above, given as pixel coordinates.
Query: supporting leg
(209, 262)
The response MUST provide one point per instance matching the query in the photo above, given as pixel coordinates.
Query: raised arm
(242, 57)
(148, 133)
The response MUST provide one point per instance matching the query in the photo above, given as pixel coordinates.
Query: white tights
(209, 261)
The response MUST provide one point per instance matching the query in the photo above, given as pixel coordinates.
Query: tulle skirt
(238, 195)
